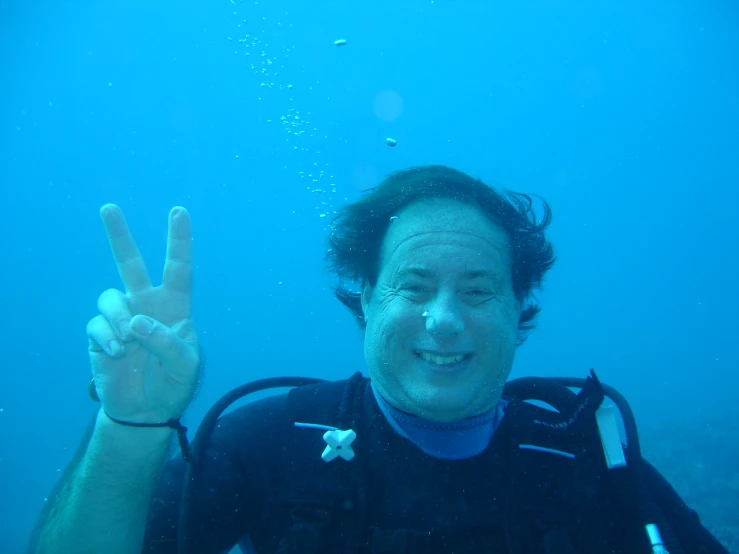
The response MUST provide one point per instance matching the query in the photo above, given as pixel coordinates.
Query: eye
(415, 288)
(479, 292)
(478, 297)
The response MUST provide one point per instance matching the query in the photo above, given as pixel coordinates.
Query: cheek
(398, 325)
(497, 329)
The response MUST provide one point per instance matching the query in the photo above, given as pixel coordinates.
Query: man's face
(442, 319)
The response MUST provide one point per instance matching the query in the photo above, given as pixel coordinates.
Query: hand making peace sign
(143, 347)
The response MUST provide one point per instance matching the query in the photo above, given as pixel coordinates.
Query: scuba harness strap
(320, 497)
(554, 470)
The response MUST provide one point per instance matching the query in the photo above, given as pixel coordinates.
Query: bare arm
(103, 505)
(145, 363)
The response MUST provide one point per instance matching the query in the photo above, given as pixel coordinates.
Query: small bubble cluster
(268, 61)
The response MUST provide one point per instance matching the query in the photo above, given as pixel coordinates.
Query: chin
(442, 405)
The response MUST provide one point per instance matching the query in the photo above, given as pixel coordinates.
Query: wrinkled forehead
(444, 223)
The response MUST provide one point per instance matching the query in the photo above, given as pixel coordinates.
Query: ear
(366, 297)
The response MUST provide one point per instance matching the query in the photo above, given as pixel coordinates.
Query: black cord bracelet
(172, 423)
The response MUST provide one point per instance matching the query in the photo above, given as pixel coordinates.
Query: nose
(443, 318)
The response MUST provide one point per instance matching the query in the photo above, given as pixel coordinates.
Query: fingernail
(144, 325)
(124, 328)
(113, 348)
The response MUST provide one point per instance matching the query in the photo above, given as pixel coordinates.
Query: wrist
(173, 423)
(127, 441)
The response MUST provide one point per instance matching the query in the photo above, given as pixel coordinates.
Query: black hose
(633, 450)
(207, 426)
(542, 389)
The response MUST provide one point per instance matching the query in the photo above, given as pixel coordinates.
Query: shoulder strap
(554, 468)
(324, 499)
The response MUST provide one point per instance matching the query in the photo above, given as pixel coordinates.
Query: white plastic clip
(339, 443)
(610, 437)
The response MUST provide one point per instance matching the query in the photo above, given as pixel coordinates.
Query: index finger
(178, 265)
(127, 257)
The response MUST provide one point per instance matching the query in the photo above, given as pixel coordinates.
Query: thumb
(161, 341)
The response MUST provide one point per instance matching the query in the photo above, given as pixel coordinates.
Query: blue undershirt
(447, 441)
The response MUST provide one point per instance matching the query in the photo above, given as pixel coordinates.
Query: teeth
(441, 360)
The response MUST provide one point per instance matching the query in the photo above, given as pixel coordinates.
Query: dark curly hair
(359, 229)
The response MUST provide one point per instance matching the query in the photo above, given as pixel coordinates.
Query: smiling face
(442, 318)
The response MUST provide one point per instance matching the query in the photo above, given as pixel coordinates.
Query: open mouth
(442, 361)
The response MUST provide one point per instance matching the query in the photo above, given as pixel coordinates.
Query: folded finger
(162, 341)
(113, 306)
(103, 338)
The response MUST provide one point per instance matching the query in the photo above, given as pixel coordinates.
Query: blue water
(623, 115)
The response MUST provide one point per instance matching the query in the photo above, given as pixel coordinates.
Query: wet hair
(359, 230)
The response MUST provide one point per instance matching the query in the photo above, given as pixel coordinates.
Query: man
(425, 456)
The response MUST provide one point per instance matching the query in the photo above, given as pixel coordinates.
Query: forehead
(444, 233)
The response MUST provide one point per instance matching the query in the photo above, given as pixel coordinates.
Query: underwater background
(623, 115)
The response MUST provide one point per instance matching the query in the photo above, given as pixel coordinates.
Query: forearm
(103, 507)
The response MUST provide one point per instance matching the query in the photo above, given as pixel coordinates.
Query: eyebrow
(427, 273)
